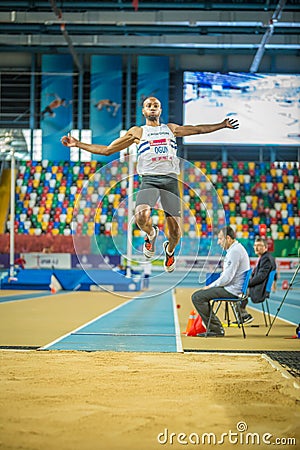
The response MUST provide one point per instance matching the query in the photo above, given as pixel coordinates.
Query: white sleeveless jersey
(157, 151)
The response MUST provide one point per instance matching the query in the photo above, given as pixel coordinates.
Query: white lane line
(177, 327)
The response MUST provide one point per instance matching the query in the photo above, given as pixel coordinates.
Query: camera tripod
(285, 295)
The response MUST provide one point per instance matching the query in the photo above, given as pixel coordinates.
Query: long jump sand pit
(114, 401)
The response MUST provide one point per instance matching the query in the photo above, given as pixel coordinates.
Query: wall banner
(47, 261)
(106, 101)
(152, 80)
(56, 116)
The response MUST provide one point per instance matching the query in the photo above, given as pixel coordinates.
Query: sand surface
(124, 401)
(115, 401)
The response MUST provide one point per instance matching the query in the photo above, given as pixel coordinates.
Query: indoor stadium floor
(37, 319)
(156, 382)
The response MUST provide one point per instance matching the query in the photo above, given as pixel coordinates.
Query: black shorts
(164, 186)
(48, 110)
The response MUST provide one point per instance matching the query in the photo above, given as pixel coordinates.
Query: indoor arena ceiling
(129, 26)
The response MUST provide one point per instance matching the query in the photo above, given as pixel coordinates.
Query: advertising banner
(152, 80)
(103, 262)
(106, 101)
(56, 116)
(47, 260)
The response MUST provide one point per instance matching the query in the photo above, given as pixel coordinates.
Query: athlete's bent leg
(144, 221)
(143, 218)
(174, 232)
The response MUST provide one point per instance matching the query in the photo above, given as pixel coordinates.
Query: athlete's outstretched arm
(189, 130)
(131, 137)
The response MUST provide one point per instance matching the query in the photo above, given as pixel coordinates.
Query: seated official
(259, 278)
(228, 285)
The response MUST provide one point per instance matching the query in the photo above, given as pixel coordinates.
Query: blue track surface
(289, 310)
(144, 324)
(17, 297)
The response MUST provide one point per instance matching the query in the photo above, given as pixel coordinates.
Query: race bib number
(161, 148)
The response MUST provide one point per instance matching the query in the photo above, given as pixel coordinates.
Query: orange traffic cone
(285, 285)
(198, 327)
(191, 321)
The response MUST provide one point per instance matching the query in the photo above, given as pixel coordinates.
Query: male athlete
(109, 105)
(158, 166)
(53, 105)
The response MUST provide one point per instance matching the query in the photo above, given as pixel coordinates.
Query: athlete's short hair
(150, 96)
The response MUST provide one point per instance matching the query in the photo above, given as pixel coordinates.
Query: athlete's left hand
(231, 123)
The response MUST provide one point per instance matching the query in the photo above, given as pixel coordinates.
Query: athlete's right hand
(69, 141)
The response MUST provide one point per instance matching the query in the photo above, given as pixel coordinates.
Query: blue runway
(17, 297)
(143, 324)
